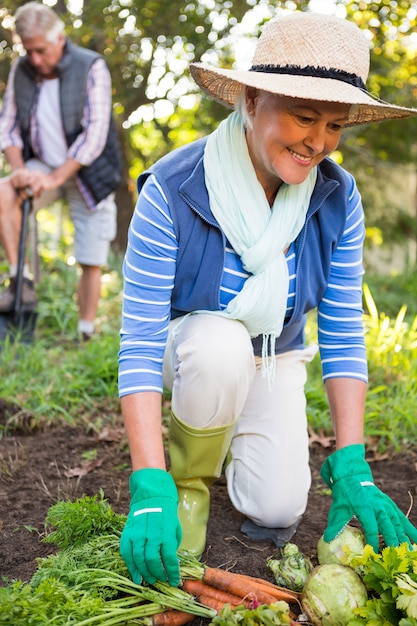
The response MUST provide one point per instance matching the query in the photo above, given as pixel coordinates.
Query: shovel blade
(17, 328)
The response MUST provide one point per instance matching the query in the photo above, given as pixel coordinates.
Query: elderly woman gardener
(235, 237)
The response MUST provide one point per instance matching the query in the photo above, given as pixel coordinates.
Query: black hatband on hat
(315, 72)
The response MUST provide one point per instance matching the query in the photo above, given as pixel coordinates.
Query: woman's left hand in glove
(354, 493)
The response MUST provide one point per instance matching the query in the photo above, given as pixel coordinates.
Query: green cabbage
(331, 593)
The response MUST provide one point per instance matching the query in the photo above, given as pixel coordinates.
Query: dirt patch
(38, 468)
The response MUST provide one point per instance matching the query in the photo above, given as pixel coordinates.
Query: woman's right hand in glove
(152, 534)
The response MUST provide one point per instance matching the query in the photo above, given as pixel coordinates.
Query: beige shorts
(93, 230)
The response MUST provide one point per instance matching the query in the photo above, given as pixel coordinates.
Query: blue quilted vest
(201, 241)
(103, 175)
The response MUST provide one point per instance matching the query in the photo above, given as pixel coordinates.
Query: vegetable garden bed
(39, 468)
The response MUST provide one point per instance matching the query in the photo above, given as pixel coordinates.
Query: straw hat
(306, 55)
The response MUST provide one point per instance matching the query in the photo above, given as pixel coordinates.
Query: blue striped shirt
(149, 274)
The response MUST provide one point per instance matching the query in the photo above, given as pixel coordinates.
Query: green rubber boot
(197, 457)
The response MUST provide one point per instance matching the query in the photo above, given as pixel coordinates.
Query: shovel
(19, 323)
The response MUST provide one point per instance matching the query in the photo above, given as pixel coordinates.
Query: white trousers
(215, 380)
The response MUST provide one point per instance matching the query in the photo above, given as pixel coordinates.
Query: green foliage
(391, 404)
(87, 581)
(82, 564)
(192, 34)
(70, 384)
(74, 523)
(391, 344)
(150, 44)
(393, 291)
(392, 579)
(393, 74)
(57, 377)
(392, 356)
(51, 603)
(370, 150)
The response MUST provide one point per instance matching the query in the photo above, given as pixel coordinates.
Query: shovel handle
(26, 209)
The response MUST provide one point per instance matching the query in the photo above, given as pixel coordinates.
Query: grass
(391, 406)
(57, 379)
(394, 291)
(392, 355)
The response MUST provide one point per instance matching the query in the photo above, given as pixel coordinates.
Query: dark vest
(103, 175)
(201, 241)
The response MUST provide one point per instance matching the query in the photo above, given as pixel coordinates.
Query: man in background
(58, 135)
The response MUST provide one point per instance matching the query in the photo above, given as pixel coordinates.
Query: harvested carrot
(261, 581)
(287, 596)
(212, 603)
(241, 587)
(278, 593)
(274, 590)
(172, 617)
(198, 588)
(233, 583)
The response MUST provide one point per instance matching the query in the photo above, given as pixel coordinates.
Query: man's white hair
(36, 19)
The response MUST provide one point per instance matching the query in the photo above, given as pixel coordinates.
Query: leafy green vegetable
(376, 613)
(51, 603)
(407, 599)
(76, 522)
(87, 582)
(276, 614)
(75, 566)
(391, 576)
(159, 594)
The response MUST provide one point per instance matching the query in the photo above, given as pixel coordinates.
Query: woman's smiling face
(287, 137)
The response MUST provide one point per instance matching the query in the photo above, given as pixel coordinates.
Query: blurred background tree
(371, 151)
(149, 44)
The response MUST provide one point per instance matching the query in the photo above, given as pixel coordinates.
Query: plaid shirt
(95, 121)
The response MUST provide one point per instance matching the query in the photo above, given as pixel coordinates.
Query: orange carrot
(212, 603)
(172, 617)
(198, 588)
(261, 581)
(277, 592)
(274, 590)
(240, 586)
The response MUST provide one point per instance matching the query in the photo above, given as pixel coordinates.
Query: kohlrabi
(349, 543)
(290, 568)
(331, 593)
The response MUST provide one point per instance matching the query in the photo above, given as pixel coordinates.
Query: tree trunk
(125, 206)
(125, 195)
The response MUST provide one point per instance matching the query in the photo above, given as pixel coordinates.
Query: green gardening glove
(152, 534)
(354, 494)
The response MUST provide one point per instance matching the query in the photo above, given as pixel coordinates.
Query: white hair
(36, 19)
(240, 107)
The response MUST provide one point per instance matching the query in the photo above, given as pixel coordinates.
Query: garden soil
(39, 467)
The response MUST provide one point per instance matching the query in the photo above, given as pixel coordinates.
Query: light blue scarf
(258, 233)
